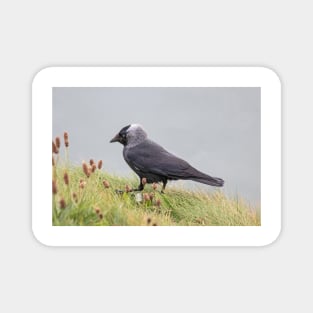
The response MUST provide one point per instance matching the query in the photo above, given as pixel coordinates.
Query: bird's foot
(128, 190)
(119, 191)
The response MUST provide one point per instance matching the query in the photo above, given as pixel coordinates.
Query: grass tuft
(84, 196)
(95, 201)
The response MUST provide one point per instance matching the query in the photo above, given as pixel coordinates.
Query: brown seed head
(62, 203)
(158, 202)
(86, 169)
(100, 164)
(146, 197)
(91, 161)
(151, 195)
(154, 224)
(148, 220)
(66, 178)
(82, 184)
(127, 188)
(93, 168)
(66, 142)
(144, 181)
(154, 186)
(75, 196)
(54, 187)
(97, 210)
(54, 148)
(106, 184)
(58, 142)
(100, 216)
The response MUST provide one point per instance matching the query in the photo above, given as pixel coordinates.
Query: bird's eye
(123, 135)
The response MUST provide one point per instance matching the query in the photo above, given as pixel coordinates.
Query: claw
(120, 192)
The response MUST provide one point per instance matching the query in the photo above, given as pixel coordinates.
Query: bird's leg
(164, 185)
(139, 188)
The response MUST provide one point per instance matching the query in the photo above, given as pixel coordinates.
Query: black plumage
(151, 161)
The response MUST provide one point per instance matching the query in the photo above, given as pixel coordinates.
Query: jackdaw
(152, 162)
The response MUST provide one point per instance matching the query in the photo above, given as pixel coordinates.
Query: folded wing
(149, 157)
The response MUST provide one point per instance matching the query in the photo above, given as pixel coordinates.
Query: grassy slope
(177, 207)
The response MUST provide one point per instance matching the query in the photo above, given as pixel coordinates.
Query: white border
(157, 77)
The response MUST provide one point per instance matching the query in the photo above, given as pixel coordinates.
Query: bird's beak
(117, 138)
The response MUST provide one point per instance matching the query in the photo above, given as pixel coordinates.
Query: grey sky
(217, 130)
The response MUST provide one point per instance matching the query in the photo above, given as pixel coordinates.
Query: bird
(153, 164)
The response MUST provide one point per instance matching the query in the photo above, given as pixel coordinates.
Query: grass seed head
(127, 188)
(75, 197)
(58, 142)
(154, 186)
(54, 148)
(100, 216)
(100, 164)
(146, 197)
(91, 162)
(82, 184)
(144, 181)
(151, 195)
(86, 169)
(93, 168)
(106, 184)
(97, 210)
(154, 224)
(66, 178)
(54, 187)
(62, 203)
(148, 220)
(158, 202)
(66, 142)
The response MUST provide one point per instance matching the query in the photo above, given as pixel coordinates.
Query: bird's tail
(208, 180)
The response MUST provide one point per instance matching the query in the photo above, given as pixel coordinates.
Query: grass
(85, 201)
(86, 196)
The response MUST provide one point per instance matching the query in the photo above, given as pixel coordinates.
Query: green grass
(95, 205)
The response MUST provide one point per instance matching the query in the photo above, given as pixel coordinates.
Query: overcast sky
(217, 130)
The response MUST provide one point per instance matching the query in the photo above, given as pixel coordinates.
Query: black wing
(149, 157)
